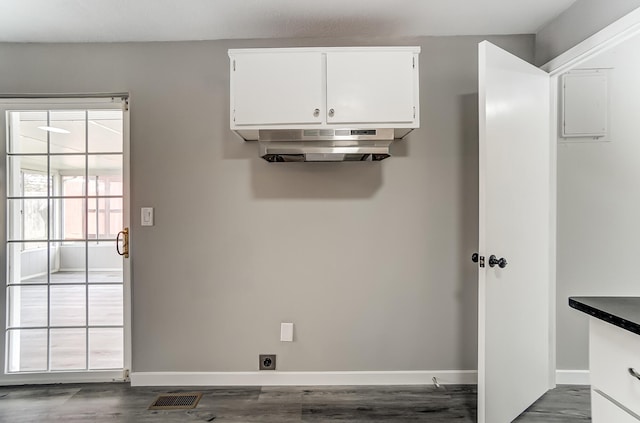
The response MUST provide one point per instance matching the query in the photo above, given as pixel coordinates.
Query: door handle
(125, 243)
(634, 373)
(501, 262)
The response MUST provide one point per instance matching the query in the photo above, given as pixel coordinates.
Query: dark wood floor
(122, 403)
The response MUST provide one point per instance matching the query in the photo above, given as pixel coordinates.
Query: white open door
(514, 212)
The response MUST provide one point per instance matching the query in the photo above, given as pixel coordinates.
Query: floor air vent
(176, 401)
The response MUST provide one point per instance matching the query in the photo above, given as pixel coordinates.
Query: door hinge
(234, 65)
(414, 62)
(125, 105)
(234, 115)
(481, 261)
(414, 112)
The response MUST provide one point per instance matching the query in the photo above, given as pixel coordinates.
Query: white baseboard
(573, 377)
(283, 378)
(60, 377)
(275, 378)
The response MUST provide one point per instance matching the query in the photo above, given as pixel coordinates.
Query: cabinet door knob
(316, 112)
(331, 112)
(633, 373)
(501, 262)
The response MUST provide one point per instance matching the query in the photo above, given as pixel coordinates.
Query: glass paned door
(64, 208)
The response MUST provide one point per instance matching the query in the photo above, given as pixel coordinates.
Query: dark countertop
(623, 312)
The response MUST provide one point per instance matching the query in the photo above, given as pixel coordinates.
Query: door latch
(475, 257)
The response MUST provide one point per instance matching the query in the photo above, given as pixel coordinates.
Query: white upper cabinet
(277, 88)
(364, 87)
(370, 87)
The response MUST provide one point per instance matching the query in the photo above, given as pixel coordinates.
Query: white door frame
(53, 102)
(607, 38)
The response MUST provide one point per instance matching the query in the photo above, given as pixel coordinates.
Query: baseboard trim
(60, 377)
(281, 378)
(573, 377)
(284, 378)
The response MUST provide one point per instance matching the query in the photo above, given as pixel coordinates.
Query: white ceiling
(164, 20)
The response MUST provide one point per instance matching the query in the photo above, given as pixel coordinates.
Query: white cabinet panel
(603, 410)
(277, 88)
(612, 352)
(370, 87)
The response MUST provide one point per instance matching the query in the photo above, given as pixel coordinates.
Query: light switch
(286, 332)
(147, 216)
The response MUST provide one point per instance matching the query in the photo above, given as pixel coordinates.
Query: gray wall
(598, 207)
(583, 19)
(371, 261)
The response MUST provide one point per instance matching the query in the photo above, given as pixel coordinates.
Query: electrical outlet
(267, 361)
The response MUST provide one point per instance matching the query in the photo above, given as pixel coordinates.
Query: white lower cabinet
(604, 410)
(613, 351)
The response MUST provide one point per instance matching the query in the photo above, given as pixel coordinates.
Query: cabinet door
(370, 87)
(277, 88)
(612, 352)
(604, 411)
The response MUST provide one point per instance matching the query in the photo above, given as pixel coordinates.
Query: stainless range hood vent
(325, 145)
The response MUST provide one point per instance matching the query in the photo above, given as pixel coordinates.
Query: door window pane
(105, 212)
(105, 131)
(27, 219)
(67, 131)
(68, 262)
(105, 305)
(27, 176)
(72, 186)
(105, 265)
(27, 350)
(72, 224)
(106, 349)
(27, 306)
(68, 305)
(34, 183)
(35, 219)
(28, 262)
(24, 133)
(68, 349)
(72, 174)
(106, 165)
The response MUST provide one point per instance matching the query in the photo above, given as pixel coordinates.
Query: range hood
(325, 145)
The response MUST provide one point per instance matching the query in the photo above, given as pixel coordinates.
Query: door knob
(331, 112)
(316, 112)
(501, 262)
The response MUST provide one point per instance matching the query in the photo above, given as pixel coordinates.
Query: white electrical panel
(585, 104)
